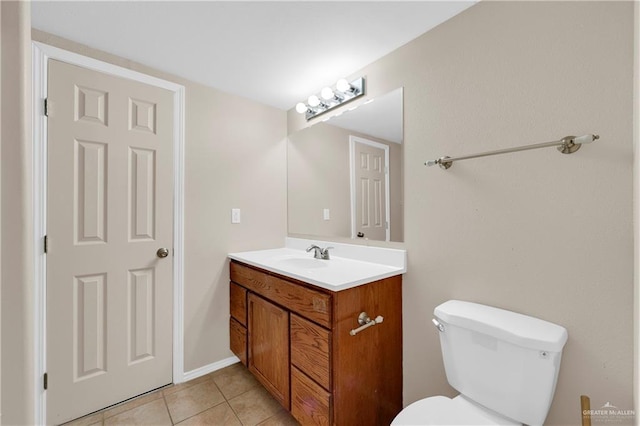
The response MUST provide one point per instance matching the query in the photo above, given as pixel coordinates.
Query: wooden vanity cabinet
(295, 338)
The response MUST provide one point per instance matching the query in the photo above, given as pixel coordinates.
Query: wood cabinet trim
(284, 277)
(311, 304)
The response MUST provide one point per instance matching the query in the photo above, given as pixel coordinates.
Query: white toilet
(505, 366)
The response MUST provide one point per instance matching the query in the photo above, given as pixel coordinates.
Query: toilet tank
(505, 361)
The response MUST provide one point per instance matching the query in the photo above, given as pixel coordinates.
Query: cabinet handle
(366, 323)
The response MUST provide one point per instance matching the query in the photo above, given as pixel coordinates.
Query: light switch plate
(326, 215)
(235, 215)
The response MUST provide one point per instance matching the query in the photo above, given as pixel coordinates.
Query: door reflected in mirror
(345, 174)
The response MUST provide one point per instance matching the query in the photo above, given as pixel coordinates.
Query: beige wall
(318, 178)
(234, 157)
(540, 233)
(17, 385)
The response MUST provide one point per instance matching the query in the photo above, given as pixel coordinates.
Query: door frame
(636, 210)
(41, 54)
(352, 178)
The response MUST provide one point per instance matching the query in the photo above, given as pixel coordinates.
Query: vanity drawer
(238, 340)
(310, 349)
(310, 404)
(311, 304)
(238, 304)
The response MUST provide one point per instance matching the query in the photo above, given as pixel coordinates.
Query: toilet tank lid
(519, 329)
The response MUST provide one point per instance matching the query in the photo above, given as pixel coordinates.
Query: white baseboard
(210, 368)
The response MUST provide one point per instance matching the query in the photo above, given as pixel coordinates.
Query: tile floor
(230, 397)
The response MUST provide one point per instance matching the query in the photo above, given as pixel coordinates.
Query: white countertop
(349, 266)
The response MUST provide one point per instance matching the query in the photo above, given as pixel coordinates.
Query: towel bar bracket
(568, 145)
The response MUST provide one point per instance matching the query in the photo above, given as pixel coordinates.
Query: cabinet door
(268, 330)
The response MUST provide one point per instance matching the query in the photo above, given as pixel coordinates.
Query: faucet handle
(325, 252)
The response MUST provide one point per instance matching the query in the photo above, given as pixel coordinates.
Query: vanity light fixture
(313, 101)
(330, 98)
(301, 107)
(329, 95)
(344, 86)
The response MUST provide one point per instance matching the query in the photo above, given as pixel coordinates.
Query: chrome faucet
(320, 253)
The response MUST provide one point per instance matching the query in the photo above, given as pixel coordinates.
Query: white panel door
(109, 210)
(370, 191)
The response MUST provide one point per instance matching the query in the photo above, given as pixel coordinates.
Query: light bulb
(343, 85)
(327, 93)
(301, 107)
(313, 101)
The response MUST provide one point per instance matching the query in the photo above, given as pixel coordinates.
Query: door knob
(162, 252)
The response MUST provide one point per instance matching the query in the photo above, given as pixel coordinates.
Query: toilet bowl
(440, 410)
(504, 364)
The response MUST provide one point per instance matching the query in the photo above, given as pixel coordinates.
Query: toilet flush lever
(439, 326)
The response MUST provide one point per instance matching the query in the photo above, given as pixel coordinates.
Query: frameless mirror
(345, 174)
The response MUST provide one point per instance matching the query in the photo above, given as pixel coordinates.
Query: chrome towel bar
(365, 322)
(566, 145)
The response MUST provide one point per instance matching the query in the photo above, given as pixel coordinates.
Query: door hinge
(46, 244)
(45, 381)
(46, 107)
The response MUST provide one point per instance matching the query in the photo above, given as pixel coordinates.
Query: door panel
(141, 323)
(109, 209)
(89, 324)
(90, 160)
(371, 203)
(142, 185)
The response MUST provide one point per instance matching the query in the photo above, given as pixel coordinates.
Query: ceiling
(276, 53)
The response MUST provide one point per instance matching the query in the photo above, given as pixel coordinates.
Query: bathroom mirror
(344, 174)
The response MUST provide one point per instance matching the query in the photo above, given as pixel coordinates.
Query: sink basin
(338, 273)
(302, 263)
